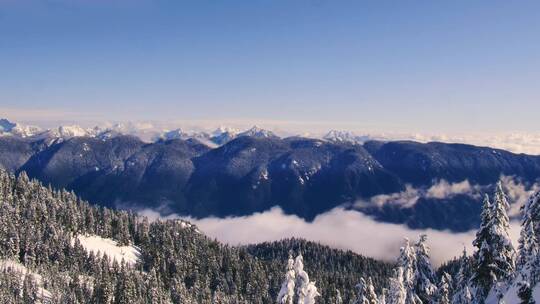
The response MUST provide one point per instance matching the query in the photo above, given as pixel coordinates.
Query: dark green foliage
(178, 264)
(332, 269)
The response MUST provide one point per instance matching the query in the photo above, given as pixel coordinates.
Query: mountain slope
(51, 233)
(248, 174)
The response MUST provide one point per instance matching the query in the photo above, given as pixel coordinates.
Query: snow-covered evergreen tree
(462, 292)
(306, 291)
(366, 292)
(482, 277)
(424, 277)
(361, 292)
(502, 244)
(494, 258)
(286, 294)
(296, 287)
(397, 294)
(528, 261)
(407, 261)
(444, 289)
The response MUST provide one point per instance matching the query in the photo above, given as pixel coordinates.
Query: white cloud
(517, 192)
(338, 228)
(349, 229)
(405, 199)
(444, 189)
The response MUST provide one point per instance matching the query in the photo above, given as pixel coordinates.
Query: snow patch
(13, 266)
(98, 245)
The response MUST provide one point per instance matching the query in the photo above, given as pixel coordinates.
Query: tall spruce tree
(286, 294)
(528, 261)
(366, 292)
(424, 277)
(407, 262)
(397, 294)
(482, 277)
(462, 293)
(495, 255)
(444, 290)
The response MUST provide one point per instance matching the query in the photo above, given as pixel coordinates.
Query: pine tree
(506, 253)
(424, 281)
(462, 293)
(366, 292)
(286, 294)
(444, 290)
(494, 258)
(407, 262)
(306, 292)
(397, 294)
(482, 278)
(528, 261)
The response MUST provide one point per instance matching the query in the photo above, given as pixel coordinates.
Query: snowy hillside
(16, 267)
(98, 245)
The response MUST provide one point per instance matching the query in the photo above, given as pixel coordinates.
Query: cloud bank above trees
(353, 230)
(338, 228)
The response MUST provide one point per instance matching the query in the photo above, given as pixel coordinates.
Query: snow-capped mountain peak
(342, 137)
(258, 133)
(222, 129)
(174, 134)
(11, 128)
(73, 131)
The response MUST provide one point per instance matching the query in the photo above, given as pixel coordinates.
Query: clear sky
(381, 65)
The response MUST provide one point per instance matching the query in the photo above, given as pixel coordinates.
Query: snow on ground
(511, 296)
(10, 265)
(99, 245)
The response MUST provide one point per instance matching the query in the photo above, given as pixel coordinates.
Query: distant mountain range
(229, 172)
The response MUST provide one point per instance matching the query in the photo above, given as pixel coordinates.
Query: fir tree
(366, 292)
(424, 281)
(444, 290)
(287, 292)
(528, 261)
(462, 292)
(407, 262)
(494, 258)
(397, 294)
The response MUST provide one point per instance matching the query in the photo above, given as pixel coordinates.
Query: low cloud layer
(353, 230)
(518, 193)
(338, 228)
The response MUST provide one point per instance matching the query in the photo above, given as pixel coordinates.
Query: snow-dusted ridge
(528, 143)
(145, 132)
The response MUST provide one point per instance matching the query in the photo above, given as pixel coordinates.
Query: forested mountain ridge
(249, 174)
(44, 257)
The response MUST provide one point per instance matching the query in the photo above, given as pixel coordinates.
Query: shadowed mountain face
(251, 174)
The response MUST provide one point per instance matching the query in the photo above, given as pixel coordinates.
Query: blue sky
(442, 66)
